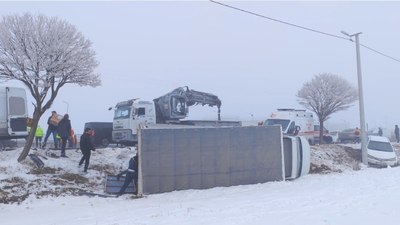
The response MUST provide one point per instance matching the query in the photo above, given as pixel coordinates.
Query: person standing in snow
(86, 146)
(64, 130)
(38, 136)
(131, 175)
(380, 132)
(52, 128)
(357, 135)
(396, 132)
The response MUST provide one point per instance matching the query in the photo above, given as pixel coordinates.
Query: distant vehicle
(335, 136)
(13, 113)
(294, 122)
(102, 131)
(327, 138)
(347, 135)
(381, 152)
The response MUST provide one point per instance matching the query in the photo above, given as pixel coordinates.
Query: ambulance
(294, 122)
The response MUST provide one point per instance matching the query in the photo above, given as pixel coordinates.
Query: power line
(380, 53)
(302, 27)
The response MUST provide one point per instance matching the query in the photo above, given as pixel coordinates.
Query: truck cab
(296, 151)
(128, 116)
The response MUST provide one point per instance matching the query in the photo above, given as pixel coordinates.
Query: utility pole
(67, 105)
(364, 154)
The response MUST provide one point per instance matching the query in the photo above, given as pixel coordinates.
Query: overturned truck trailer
(204, 157)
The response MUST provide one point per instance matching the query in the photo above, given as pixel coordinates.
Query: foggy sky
(254, 65)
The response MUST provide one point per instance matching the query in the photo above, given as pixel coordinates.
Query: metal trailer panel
(113, 185)
(200, 158)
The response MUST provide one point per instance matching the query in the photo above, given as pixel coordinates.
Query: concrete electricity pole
(364, 153)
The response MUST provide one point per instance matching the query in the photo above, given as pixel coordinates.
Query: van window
(17, 106)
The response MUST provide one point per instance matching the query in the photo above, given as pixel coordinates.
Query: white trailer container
(13, 113)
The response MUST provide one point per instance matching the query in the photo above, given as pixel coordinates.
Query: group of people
(62, 128)
(380, 133)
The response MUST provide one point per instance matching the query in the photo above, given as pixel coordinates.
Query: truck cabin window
(122, 112)
(140, 111)
(178, 105)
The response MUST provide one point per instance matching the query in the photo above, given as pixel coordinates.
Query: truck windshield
(122, 112)
(283, 123)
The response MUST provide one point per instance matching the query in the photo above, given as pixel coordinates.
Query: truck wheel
(105, 142)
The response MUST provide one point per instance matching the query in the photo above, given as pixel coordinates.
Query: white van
(13, 113)
(381, 152)
(294, 122)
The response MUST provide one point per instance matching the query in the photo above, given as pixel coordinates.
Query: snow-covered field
(346, 193)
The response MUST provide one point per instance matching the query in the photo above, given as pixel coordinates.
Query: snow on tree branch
(36, 49)
(44, 54)
(326, 94)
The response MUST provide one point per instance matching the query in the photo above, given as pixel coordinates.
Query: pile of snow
(335, 158)
(63, 177)
(59, 176)
(342, 196)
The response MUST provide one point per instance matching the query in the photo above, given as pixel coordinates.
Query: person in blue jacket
(131, 175)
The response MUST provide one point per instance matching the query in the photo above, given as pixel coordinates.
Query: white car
(381, 152)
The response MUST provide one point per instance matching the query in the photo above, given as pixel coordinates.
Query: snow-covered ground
(339, 195)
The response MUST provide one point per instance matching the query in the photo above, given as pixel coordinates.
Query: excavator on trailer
(170, 108)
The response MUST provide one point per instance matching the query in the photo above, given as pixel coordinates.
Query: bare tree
(44, 54)
(326, 94)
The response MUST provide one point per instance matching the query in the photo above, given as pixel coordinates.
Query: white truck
(13, 113)
(294, 122)
(168, 109)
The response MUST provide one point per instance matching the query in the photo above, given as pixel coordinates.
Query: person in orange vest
(357, 135)
(72, 139)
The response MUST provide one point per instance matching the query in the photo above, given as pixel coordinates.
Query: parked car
(348, 135)
(101, 135)
(381, 152)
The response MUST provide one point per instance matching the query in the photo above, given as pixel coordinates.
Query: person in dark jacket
(64, 130)
(86, 146)
(51, 129)
(131, 175)
(397, 133)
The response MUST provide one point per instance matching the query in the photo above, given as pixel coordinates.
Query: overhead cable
(302, 27)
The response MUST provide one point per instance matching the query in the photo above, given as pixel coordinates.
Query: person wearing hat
(86, 146)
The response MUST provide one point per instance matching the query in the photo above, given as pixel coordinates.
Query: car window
(380, 146)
